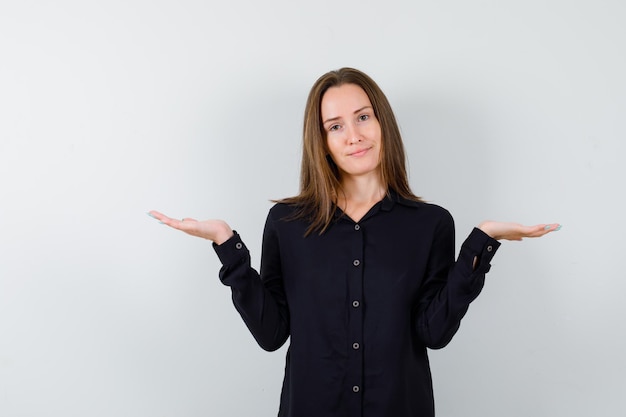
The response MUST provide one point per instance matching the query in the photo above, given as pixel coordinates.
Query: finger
(175, 223)
(552, 227)
(540, 230)
(163, 219)
(188, 225)
(156, 215)
(185, 224)
(543, 229)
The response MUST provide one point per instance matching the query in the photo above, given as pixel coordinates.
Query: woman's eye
(333, 128)
(364, 117)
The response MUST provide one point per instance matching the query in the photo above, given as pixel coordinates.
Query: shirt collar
(393, 197)
(386, 204)
(389, 201)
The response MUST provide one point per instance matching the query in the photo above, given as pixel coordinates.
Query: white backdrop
(510, 110)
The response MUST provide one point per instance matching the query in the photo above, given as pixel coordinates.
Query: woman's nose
(354, 135)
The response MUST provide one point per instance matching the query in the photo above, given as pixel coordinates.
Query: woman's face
(352, 130)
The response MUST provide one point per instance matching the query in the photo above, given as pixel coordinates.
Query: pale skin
(353, 137)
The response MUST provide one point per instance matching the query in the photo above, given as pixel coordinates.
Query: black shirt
(361, 303)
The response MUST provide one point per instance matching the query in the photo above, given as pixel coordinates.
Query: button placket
(355, 240)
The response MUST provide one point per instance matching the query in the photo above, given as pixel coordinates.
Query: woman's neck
(359, 194)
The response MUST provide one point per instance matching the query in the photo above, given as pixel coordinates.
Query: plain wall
(511, 110)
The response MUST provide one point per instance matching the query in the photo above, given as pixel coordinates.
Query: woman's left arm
(449, 289)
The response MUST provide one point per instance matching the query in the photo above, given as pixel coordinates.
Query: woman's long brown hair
(319, 177)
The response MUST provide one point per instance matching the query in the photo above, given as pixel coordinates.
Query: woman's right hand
(217, 231)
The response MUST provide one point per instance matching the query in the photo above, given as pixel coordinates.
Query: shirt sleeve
(260, 301)
(449, 286)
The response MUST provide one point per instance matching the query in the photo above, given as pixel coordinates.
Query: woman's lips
(359, 152)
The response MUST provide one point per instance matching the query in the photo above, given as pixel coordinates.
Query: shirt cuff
(479, 244)
(233, 251)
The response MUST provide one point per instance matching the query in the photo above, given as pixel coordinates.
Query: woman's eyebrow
(361, 109)
(332, 119)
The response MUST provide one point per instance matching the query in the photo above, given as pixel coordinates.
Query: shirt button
(239, 245)
(355, 304)
(357, 227)
(355, 346)
(356, 388)
(356, 262)
(489, 248)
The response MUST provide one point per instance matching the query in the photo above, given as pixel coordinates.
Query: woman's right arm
(261, 302)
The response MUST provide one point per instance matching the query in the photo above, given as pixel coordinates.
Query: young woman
(356, 270)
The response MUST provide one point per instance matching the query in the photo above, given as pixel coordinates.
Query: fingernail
(557, 228)
(150, 214)
(547, 227)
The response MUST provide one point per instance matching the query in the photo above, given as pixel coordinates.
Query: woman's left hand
(516, 231)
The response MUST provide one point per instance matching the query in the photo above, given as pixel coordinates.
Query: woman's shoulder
(425, 210)
(282, 209)
(287, 218)
(285, 211)
(422, 205)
